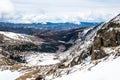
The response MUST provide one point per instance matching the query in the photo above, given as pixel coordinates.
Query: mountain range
(31, 28)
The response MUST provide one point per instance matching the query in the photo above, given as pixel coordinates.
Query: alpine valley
(60, 51)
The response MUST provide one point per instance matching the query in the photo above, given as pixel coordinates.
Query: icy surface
(8, 75)
(107, 70)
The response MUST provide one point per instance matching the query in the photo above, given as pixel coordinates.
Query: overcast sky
(70, 10)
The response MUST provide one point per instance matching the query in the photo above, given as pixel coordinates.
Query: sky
(58, 10)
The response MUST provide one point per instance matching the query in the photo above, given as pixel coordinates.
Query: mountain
(37, 27)
(43, 41)
(94, 53)
(96, 48)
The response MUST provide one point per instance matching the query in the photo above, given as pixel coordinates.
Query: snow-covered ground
(8, 75)
(16, 36)
(106, 70)
(36, 59)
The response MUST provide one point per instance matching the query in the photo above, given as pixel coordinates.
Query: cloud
(27, 11)
(73, 17)
(6, 9)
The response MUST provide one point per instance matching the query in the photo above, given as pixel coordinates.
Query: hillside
(94, 54)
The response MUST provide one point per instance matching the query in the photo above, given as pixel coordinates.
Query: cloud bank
(6, 9)
(75, 11)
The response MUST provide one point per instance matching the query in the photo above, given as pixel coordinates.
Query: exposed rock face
(108, 36)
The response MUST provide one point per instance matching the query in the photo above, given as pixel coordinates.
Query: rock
(40, 77)
(119, 50)
(118, 38)
(98, 54)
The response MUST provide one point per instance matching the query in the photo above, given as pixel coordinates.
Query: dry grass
(32, 74)
(16, 67)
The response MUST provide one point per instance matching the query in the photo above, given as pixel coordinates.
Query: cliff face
(107, 36)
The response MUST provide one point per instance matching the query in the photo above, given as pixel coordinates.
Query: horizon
(73, 11)
(52, 22)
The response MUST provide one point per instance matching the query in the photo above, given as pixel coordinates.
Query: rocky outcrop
(108, 36)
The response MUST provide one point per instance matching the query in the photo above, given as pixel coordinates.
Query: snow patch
(111, 29)
(8, 75)
(16, 36)
(110, 50)
(88, 59)
(41, 59)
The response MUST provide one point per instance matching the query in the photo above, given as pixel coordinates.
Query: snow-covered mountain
(95, 55)
(94, 52)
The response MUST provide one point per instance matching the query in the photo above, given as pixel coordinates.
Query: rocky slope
(92, 46)
(95, 45)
